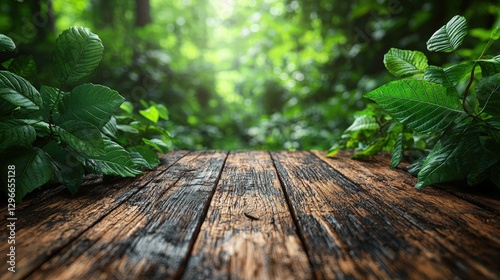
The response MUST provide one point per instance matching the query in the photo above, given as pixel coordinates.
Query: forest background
(252, 74)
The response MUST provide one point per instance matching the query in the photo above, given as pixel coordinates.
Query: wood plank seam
(295, 219)
(110, 210)
(490, 200)
(182, 268)
(445, 240)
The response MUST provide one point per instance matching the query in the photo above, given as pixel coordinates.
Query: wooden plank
(467, 237)
(47, 224)
(151, 234)
(360, 229)
(248, 232)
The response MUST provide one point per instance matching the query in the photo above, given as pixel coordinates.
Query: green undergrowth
(445, 119)
(59, 134)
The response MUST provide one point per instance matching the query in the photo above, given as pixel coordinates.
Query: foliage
(249, 74)
(55, 136)
(448, 117)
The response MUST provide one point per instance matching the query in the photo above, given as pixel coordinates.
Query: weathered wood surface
(257, 215)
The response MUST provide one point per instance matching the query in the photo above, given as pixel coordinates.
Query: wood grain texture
(485, 196)
(257, 215)
(352, 230)
(151, 234)
(45, 225)
(462, 239)
(248, 232)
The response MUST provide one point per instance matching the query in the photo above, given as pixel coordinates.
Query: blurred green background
(251, 74)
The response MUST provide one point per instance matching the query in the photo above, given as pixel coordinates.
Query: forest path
(257, 215)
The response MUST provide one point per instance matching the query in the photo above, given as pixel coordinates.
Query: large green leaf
(488, 94)
(450, 76)
(90, 103)
(449, 37)
(115, 161)
(78, 52)
(19, 92)
(33, 168)
(452, 157)
(423, 106)
(82, 137)
(404, 63)
(6, 44)
(67, 169)
(16, 133)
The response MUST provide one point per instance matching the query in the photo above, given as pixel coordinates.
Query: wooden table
(257, 215)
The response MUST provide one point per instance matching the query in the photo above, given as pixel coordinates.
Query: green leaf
(452, 157)
(82, 137)
(16, 133)
(158, 144)
(147, 154)
(450, 76)
(495, 130)
(19, 92)
(78, 52)
(488, 94)
(449, 37)
(162, 111)
(127, 128)
(110, 128)
(404, 63)
(363, 122)
(67, 168)
(139, 161)
(495, 33)
(24, 66)
(127, 107)
(415, 167)
(33, 168)
(49, 97)
(91, 103)
(486, 159)
(115, 161)
(423, 106)
(151, 114)
(372, 149)
(6, 44)
(489, 67)
(335, 149)
(397, 153)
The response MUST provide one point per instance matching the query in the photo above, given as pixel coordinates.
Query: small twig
(253, 218)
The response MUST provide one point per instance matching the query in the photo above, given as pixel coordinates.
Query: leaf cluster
(55, 136)
(447, 118)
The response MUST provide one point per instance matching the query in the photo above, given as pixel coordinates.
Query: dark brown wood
(248, 232)
(461, 239)
(45, 225)
(150, 235)
(257, 215)
(485, 196)
(382, 226)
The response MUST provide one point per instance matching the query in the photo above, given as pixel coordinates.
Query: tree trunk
(43, 18)
(142, 13)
